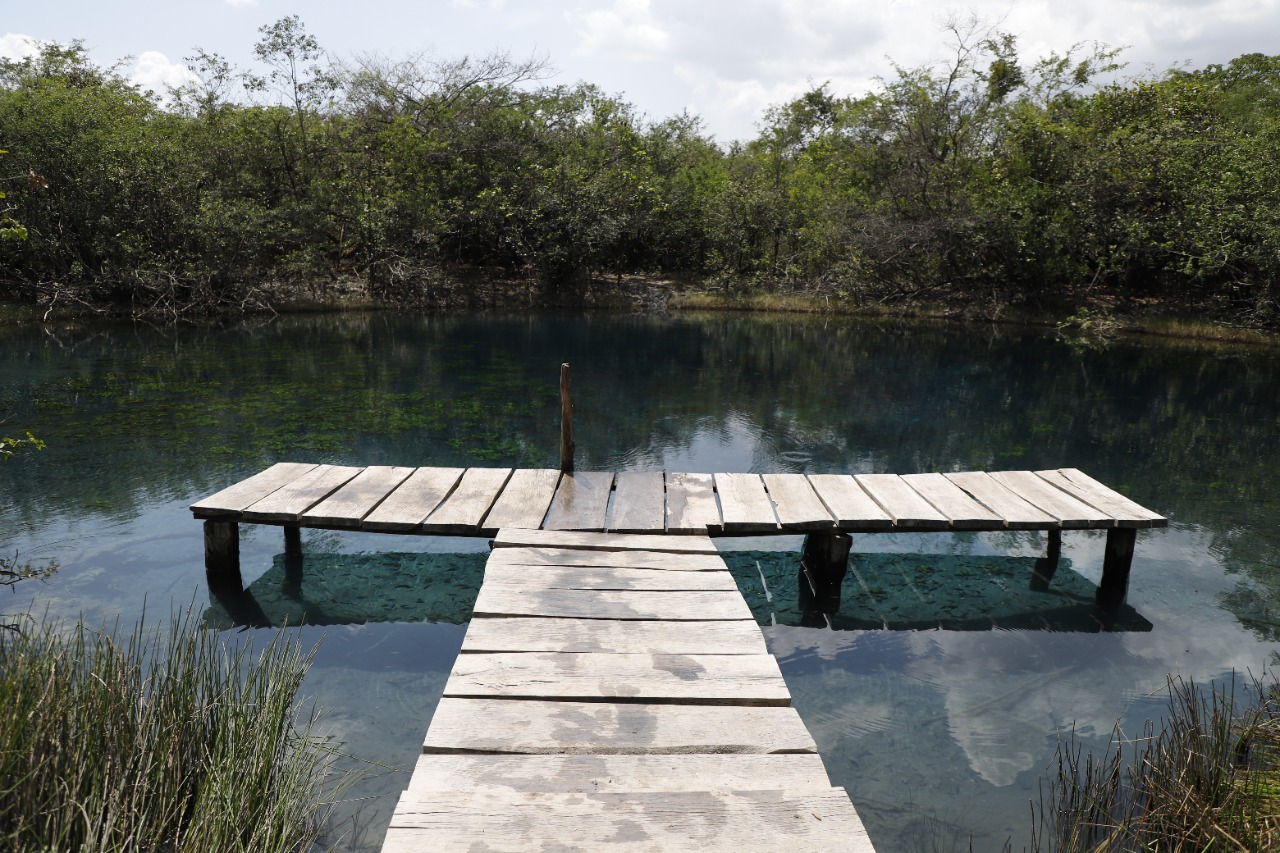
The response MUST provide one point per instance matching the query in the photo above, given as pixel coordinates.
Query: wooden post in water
(825, 561)
(1046, 566)
(566, 421)
(222, 555)
(1116, 562)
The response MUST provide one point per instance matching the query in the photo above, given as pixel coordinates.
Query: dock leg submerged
(1115, 566)
(824, 562)
(222, 555)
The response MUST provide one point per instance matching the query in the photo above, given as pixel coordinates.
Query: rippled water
(938, 689)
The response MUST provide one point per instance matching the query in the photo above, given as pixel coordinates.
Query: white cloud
(154, 71)
(627, 30)
(241, 2)
(18, 46)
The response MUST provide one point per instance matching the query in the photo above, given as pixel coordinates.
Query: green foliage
(10, 446)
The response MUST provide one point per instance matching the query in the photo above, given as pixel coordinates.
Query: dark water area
(938, 689)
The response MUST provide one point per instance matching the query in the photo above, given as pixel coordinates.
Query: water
(940, 688)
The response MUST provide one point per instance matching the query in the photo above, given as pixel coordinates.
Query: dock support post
(1115, 566)
(292, 584)
(566, 421)
(1046, 566)
(825, 561)
(222, 555)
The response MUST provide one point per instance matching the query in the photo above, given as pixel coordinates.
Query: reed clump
(161, 740)
(1208, 779)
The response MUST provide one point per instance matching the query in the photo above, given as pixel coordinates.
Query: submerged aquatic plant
(1207, 779)
(165, 739)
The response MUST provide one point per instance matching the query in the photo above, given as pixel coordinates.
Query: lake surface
(936, 693)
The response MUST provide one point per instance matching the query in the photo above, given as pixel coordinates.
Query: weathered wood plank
(239, 496)
(522, 556)
(291, 500)
(572, 676)
(796, 503)
(744, 504)
(470, 502)
(964, 512)
(603, 541)
(348, 506)
(1017, 513)
(908, 509)
(691, 504)
(639, 503)
(851, 506)
(1069, 511)
(581, 501)
(609, 728)
(653, 821)
(524, 500)
(497, 600)
(1080, 485)
(602, 577)
(544, 634)
(589, 774)
(415, 499)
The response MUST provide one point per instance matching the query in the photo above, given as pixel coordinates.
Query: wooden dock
(614, 693)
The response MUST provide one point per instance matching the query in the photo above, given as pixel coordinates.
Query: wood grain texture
(498, 600)
(639, 503)
(850, 505)
(548, 634)
(908, 509)
(796, 503)
(1069, 511)
(524, 500)
(736, 822)
(1080, 485)
(574, 676)
(591, 774)
(598, 577)
(416, 498)
(608, 728)
(581, 501)
(237, 497)
(1017, 513)
(348, 506)
(469, 503)
(604, 541)
(691, 504)
(744, 504)
(964, 512)
(525, 556)
(291, 500)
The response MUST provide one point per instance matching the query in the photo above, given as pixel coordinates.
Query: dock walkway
(614, 692)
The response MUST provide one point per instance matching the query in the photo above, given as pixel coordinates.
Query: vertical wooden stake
(566, 421)
(1116, 562)
(222, 555)
(1047, 565)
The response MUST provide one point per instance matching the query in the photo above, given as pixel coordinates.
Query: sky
(724, 60)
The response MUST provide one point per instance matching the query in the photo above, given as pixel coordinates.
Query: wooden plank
(542, 634)
(796, 503)
(573, 676)
(524, 500)
(908, 509)
(1069, 511)
(581, 501)
(1017, 513)
(851, 506)
(498, 600)
(691, 504)
(652, 821)
(470, 502)
(1080, 485)
(348, 506)
(639, 503)
(744, 505)
(239, 496)
(597, 577)
(291, 500)
(611, 728)
(419, 495)
(589, 774)
(520, 556)
(964, 512)
(603, 541)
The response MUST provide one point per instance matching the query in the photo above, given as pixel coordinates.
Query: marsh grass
(1207, 780)
(161, 740)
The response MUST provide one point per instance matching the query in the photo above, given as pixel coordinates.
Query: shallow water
(938, 689)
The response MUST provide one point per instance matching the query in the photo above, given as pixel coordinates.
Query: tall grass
(1207, 780)
(160, 740)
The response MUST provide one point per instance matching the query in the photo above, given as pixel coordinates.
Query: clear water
(938, 690)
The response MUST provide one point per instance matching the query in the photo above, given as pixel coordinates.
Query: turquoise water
(938, 689)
